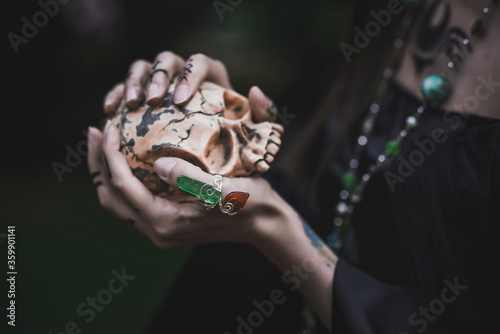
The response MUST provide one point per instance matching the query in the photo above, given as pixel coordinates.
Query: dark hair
(352, 89)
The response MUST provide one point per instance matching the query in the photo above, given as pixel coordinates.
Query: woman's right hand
(150, 81)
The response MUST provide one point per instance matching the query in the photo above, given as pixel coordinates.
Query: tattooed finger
(167, 64)
(93, 176)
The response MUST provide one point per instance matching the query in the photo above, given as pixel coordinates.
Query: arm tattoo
(319, 244)
(315, 239)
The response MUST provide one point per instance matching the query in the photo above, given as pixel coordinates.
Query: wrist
(280, 224)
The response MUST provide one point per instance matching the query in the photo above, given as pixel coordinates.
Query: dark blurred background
(66, 245)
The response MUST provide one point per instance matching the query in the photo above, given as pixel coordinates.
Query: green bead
(393, 147)
(381, 90)
(202, 191)
(349, 180)
(435, 88)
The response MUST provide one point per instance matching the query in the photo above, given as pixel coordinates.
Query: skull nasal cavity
(235, 105)
(219, 150)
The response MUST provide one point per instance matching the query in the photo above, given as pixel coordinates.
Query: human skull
(213, 131)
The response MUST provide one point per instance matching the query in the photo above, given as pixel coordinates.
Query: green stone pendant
(393, 147)
(435, 89)
(202, 191)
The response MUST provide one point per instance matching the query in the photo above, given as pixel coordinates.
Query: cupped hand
(150, 81)
(169, 224)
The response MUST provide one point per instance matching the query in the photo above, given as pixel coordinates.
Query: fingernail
(132, 94)
(164, 166)
(108, 101)
(153, 91)
(106, 128)
(132, 97)
(92, 136)
(181, 93)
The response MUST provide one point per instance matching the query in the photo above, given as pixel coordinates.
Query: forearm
(306, 261)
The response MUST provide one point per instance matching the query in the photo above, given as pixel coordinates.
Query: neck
(438, 32)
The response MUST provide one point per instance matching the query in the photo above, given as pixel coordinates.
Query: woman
(402, 187)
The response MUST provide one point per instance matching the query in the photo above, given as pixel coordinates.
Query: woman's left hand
(169, 224)
(266, 222)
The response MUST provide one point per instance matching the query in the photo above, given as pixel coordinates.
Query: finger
(109, 199)
(133, 190)
(197, 69)
(94, 157)
(263, 109)
(113, 98)
(167, 64)
(169, 169)
(137, 79)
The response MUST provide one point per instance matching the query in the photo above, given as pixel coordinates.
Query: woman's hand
(169, 224)
(149, 81)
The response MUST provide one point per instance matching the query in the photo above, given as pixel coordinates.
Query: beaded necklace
(434, 88)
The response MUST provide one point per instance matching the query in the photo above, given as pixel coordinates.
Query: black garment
(439, 225)
(420, 256)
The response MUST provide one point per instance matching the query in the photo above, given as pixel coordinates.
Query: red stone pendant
(234, 202)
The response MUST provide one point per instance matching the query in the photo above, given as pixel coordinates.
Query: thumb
(168, 169)
(263, 108)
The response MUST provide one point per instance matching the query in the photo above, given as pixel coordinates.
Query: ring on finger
(211, 195)
(206, 193)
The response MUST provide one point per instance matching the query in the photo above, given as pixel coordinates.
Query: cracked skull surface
(213, 131)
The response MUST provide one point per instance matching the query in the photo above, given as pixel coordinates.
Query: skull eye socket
(219, 150)
(236, 106)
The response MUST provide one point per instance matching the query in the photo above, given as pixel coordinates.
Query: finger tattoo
(107, 166)
(186, 70)
(93, 176)
(156, 64)
(132, 206)
(151, 75)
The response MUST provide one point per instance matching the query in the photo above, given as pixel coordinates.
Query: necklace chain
(435, 89)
